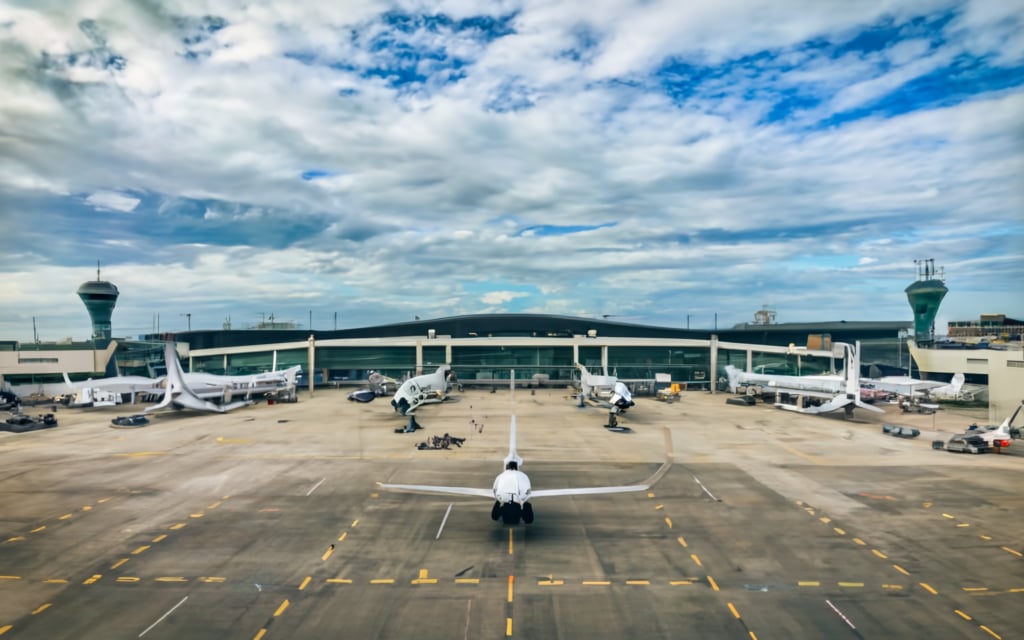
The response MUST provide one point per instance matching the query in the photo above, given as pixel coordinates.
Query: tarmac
(267, 523)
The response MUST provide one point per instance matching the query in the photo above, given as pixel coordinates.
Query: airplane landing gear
(528, 513)
(496, 510)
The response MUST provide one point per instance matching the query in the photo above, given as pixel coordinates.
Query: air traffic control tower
(924, 296)
(99, 297)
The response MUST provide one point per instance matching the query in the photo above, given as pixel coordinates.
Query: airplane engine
(227, 393)
(528, 513)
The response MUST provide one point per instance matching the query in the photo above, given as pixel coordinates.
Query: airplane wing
(435, 490)
(591, 491)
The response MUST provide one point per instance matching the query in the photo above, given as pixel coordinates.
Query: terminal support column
(713, 344)
(311, 362)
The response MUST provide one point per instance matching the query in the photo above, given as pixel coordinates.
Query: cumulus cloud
(381, 160)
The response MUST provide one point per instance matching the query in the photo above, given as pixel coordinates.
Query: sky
(354, 163)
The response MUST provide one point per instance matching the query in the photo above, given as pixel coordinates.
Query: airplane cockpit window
(511, 466)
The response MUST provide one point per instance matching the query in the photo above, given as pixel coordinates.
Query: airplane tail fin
(733, 374)
(957, 383)
(513, 456)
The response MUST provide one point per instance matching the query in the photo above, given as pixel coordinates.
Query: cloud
(643, 159)
(113, 201)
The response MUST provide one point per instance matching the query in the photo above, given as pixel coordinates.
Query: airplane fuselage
(511, 497)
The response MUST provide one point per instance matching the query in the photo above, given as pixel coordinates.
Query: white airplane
(594, 387)
(424, 389)
(839, 392)
(209, 390)
(999, 436)
(512, 491)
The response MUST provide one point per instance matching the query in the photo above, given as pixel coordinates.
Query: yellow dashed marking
(735, 613)
(55, 581)
(355, 522)
(119, 563)
(160, 537)
(859, 541)
(659, 507)
(343, 536)
(467, 580)
(305, 583)
(808, 583)
(839, 531)
(15, 538)
(681, 541)
(172, 579)
(676, 583)
(825, 519)
(87, 508)
(879, 554)
(10, 577)
(650, 494)
(696, 559)
(901, 569)
(41, 608)
(93, 578)
(893, 587)
(259, 634)
(962, 614)
(38, 529)
(714, 585)
(327, 554)
(638, 582)
(550, 583)
(596, 583)
(196, 515)
(946, 515)
(338, 581)
(128, 579)
(175, 527)
(215, 504)
(975, 589)
(66, 516)
(1013, 551)
(140, 550)
(383, 581)
(425, 579)
(281, 608)
(851, 585)
(668, 521)
(927, 587)
(4, 629)
(508, 627)
(963, 524)
(990, 632)
(217, 579)
(102, 500)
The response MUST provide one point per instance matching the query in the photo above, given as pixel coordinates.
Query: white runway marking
(161, 618)
(705, 489)
(315, 486)
(438, 536)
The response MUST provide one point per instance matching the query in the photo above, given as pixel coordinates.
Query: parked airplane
(593, 387)
(202, 391)
(838, 391)
(512, 490)
(1000, 436)
(179, 394)
(419, 390)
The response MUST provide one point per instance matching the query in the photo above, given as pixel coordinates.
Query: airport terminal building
(546, 347)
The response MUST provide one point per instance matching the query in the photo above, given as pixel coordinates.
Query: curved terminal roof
(542, 325)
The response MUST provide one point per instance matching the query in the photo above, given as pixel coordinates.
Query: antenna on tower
(97, 271)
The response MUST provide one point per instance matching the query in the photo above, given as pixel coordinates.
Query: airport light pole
(188, 317)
